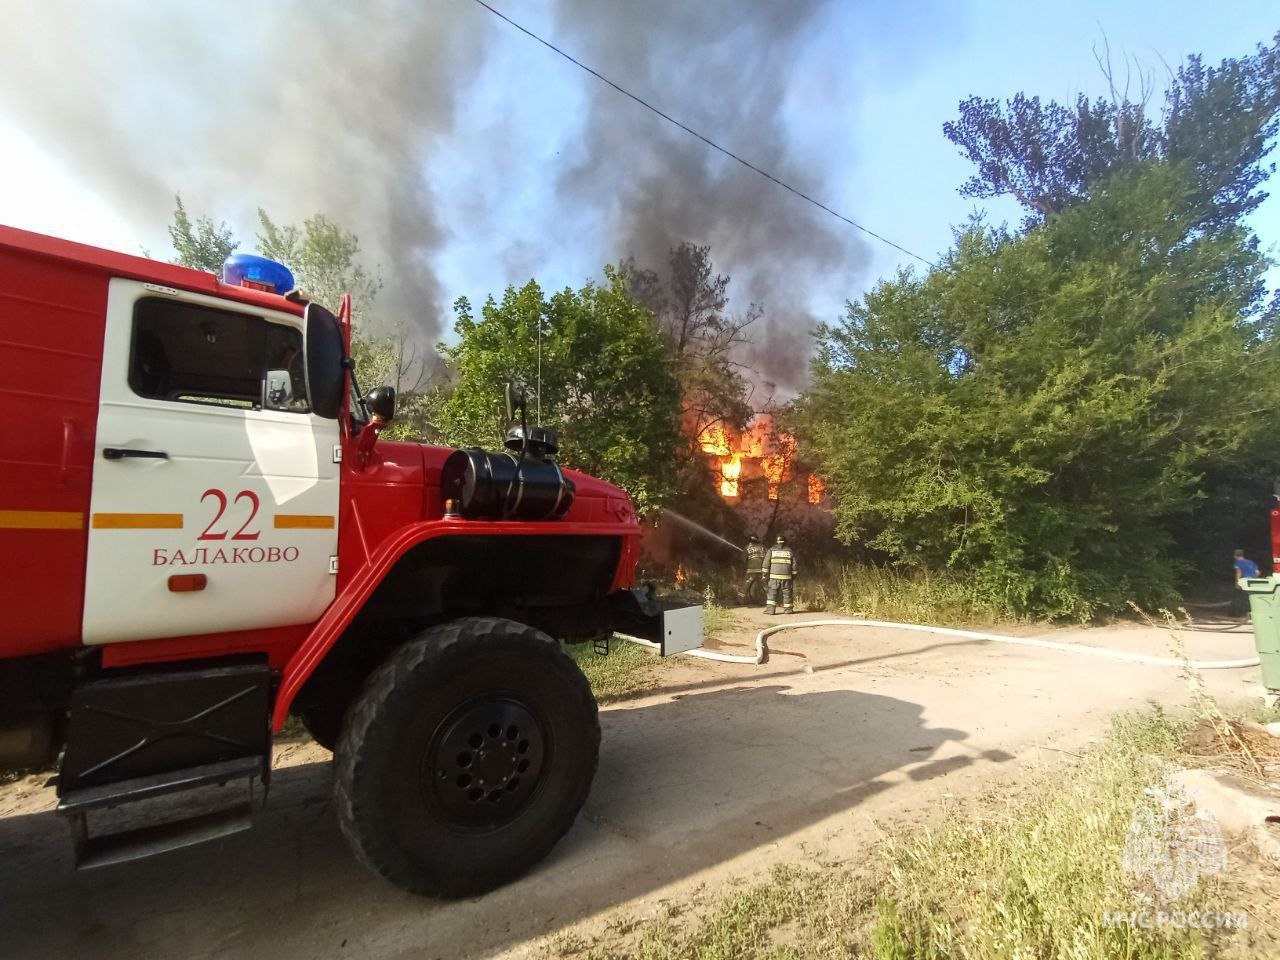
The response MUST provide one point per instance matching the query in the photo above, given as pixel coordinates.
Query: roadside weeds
(1041, 869)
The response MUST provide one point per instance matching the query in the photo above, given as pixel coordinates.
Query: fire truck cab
(203, 533)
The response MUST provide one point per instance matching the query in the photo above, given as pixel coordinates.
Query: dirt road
(725, 771)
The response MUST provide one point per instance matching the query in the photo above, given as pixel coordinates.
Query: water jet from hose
(698, 528)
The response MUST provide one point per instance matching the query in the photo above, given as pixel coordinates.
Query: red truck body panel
(51, 326)
(53, 297)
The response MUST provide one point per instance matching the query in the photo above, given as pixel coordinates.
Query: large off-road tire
(466, 757)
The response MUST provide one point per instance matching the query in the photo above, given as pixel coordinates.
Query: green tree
(1219, 122)
(689, 303)
(324, 259)
(1042, 410)
(606, 386)
(199, 244)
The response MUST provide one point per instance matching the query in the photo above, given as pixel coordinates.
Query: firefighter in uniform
(780, 566)
(755, 569)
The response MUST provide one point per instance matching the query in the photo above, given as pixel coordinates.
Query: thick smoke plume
(725, 68)
(297, 107)
(338, 108)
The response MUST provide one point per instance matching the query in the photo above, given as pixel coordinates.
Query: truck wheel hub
(484, 762)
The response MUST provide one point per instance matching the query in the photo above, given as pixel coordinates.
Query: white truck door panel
(244, 496)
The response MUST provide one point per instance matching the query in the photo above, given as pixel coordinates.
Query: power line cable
(708, 141)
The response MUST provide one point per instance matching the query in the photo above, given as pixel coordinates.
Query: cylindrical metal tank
(499, 486)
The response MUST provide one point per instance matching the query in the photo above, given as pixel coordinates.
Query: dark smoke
(297, 107)
(338, 107)
(725, 68)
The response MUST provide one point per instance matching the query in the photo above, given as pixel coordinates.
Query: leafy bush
(1038, 413)
(607, 388)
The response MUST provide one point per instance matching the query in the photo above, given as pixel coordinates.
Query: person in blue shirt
(1245, 570)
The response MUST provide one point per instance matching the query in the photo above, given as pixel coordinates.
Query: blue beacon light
(257, 273)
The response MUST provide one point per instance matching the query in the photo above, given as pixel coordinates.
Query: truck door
(215, 492)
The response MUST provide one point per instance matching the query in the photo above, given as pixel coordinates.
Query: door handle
(120, 453)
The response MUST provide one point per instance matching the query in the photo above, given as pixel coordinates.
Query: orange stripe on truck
(41, 520)
(137, 521)
(303, 521)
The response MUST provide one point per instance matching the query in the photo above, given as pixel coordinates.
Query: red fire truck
(203, 533)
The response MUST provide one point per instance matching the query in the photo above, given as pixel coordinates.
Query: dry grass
(715, 618)
(1037, 877)
(1235, 744)
(1239, 745)
(886, 593)
(1031, 874)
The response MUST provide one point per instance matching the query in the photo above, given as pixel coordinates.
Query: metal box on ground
(681, 630)
(671, 626)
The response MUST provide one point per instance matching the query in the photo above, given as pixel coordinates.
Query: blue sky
(865, 93)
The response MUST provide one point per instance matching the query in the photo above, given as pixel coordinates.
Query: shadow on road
(682, 786)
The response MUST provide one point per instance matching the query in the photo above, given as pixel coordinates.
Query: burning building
(756, 462)
(767, 491)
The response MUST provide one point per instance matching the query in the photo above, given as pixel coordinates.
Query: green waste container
(1264, 609)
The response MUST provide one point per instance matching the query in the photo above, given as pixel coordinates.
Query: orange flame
(752, 442)
(680, 574)
(774, 468)
(760, 444)
(816, 487)
(715, 440)
(730, 470)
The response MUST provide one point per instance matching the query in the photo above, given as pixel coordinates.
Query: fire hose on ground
(1108, 653)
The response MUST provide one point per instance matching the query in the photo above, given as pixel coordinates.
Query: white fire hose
(1107, 652)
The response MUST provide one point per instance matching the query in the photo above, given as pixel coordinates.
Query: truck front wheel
(466, 756)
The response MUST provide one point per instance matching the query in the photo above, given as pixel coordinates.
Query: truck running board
(140, 842)
(111, 848)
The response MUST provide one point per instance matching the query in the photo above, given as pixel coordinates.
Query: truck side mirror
(326, 353)
(381, 402)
